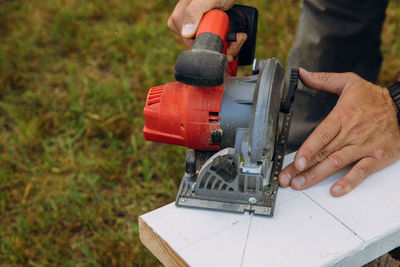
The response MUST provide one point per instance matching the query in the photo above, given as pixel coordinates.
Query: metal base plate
(269, 192)
(225, 206)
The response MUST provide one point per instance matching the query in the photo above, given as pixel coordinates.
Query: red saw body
(184, 115)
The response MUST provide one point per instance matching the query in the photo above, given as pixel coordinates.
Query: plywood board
(309, 228)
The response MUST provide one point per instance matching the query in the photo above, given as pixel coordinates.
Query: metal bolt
(252, 200)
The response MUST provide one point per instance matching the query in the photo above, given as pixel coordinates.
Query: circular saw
(236, 127)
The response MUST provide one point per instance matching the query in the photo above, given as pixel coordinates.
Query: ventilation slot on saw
(213, 117)
(212, 182)
(154, 95)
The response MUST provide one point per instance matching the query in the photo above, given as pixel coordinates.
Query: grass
(75, 171)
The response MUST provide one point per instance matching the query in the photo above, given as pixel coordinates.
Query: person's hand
(362, 129)
(186, 18)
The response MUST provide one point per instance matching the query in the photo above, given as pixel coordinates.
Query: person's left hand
(362, 128)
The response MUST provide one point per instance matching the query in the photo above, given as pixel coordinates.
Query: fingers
(234, 47)
(319, 138)
(331, 164)
(336, 144)
(175, 21)
(195, 11)
(329, 82)
(188, 43)
(193, 14)
(187, 14)
(355, 176)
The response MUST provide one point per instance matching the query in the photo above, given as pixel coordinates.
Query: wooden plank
(300, 234)
(200, 234)
(384, 261)
(158, 246)
(309, 228)
(372, 211)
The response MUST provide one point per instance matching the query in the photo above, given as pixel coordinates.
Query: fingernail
(285, 178)
(337, 190)
(187, 29)
(306, 71)
(301, 163)
(299, 181)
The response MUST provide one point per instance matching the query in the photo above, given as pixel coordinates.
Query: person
(348, 119)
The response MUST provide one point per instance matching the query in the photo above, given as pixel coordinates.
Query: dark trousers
(333, 36)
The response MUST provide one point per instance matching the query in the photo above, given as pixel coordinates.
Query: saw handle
(206, 65)
(218, 25)
(215, 25)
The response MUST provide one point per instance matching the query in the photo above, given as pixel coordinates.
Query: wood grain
(384, 261)
(158, 246)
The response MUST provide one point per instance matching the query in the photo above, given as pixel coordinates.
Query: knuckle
(226, 4)
(336, 161)
(313, 175)
(323, 77)
(192, 9)
(320, 156)
(171, 23)
(357, 129)
(382, 154)
(352, 77)
(361, 171)
(323, 135)
(379, 153)
(356, 116)
(346, 117)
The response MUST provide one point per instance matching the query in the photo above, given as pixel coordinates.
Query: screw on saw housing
(206, 65)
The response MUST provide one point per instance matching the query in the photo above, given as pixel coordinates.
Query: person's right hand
(186, 18)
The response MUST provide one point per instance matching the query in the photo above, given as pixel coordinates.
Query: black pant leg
(333, 36)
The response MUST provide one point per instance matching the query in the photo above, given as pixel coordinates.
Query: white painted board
(309, 228)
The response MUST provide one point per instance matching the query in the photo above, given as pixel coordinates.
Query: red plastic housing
(184, 115)
(215, 21)
(180, 114)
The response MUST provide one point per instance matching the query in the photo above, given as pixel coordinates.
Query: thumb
(329, 82)
(195, 11)
(193, 14)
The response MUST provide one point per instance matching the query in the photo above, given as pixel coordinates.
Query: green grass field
(75, 171)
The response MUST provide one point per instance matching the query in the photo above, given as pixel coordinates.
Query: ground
(75, 171)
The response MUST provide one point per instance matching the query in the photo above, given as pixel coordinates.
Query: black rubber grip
(209, 42)
(204, 65)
